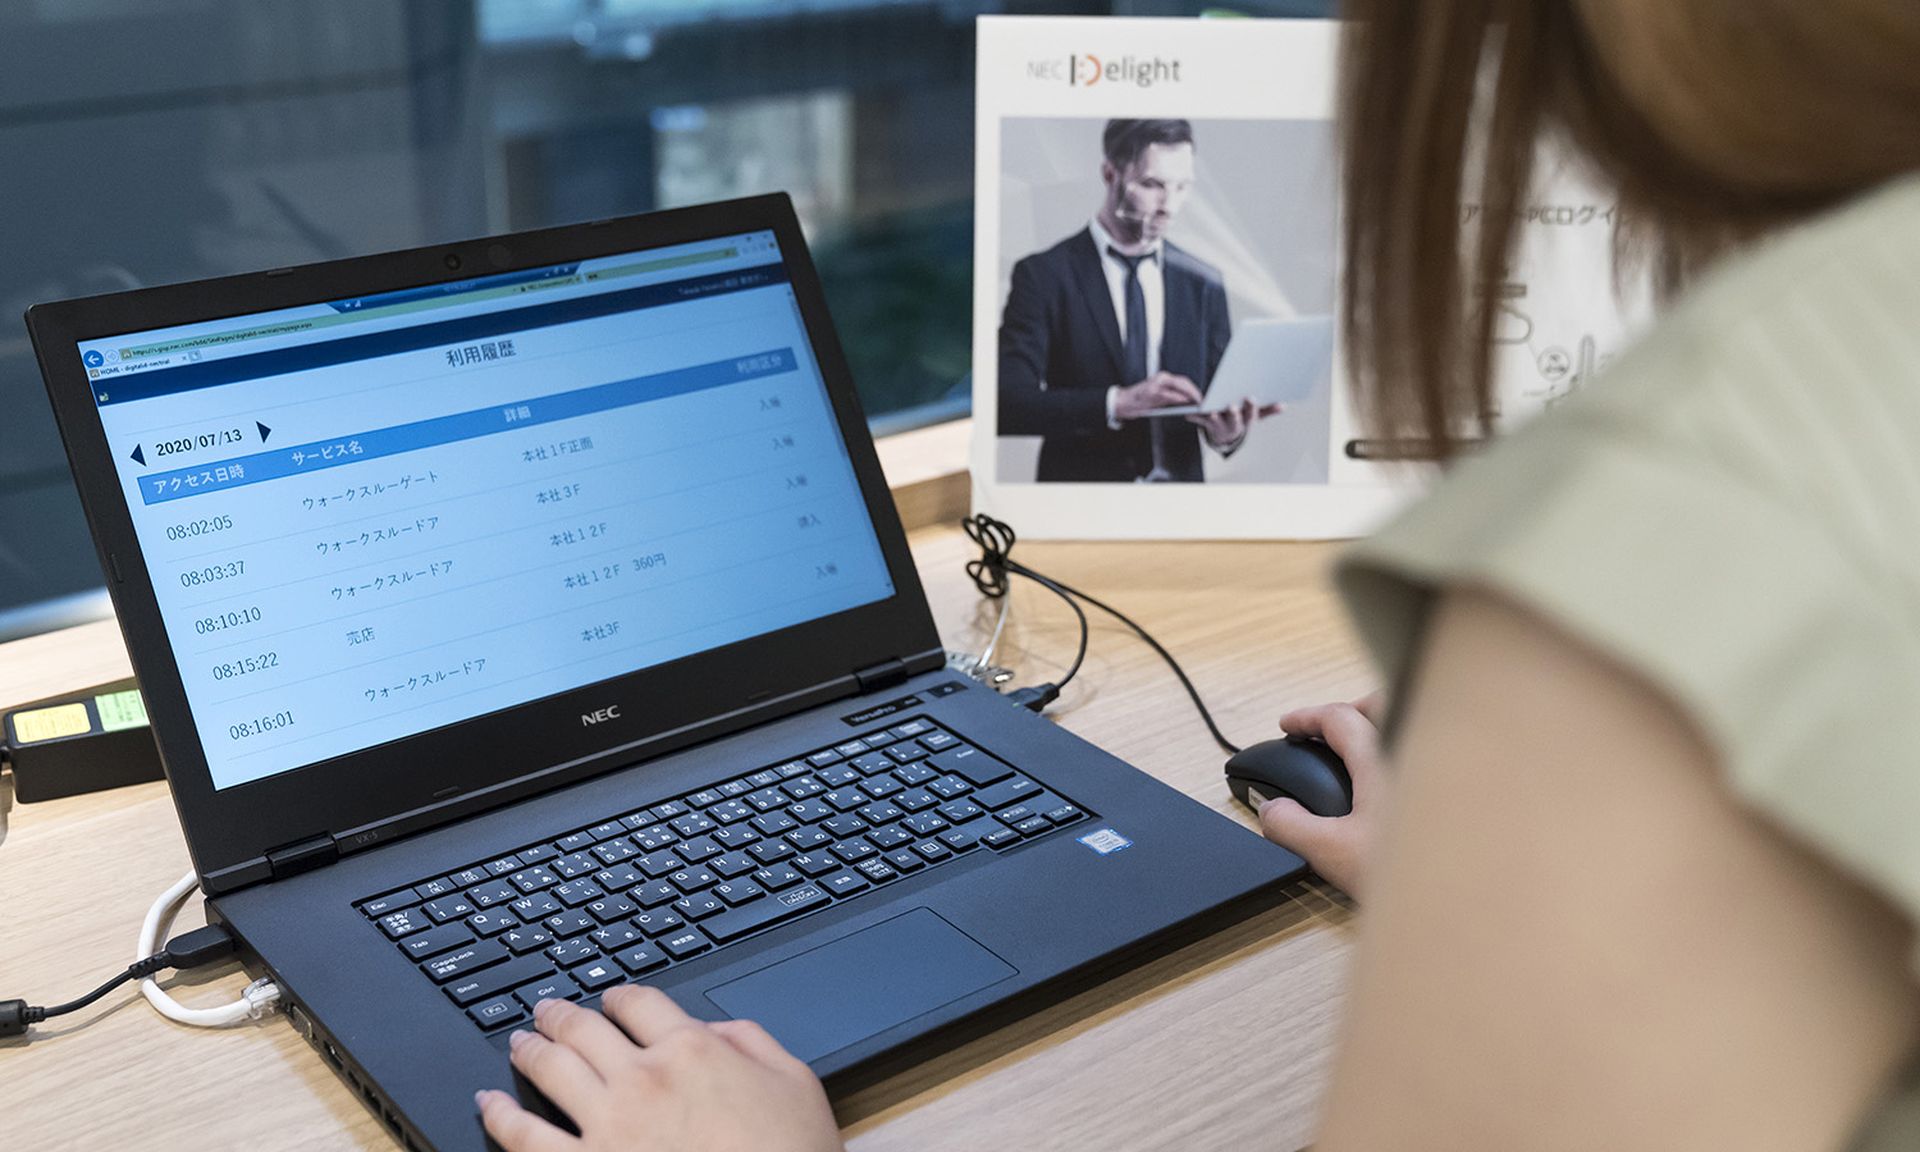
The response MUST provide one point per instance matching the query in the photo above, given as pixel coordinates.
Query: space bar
(740, 921)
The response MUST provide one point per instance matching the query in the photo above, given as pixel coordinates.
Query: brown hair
(1716, 121)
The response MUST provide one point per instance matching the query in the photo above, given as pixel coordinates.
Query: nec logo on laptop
(611, 712)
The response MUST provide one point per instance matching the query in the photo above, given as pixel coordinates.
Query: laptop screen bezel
(543, 742)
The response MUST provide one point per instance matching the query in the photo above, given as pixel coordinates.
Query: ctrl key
(497, 1012)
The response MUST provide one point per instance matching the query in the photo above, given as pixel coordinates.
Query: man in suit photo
(1116, 322)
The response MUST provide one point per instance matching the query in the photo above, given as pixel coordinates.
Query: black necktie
(1135, 353)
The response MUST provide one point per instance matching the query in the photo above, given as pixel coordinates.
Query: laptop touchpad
(841, 993)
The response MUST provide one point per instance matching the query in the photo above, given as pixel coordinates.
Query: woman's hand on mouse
(647, 1077)
(1338, 847)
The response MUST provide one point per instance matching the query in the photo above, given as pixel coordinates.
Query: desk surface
(1222, 1044)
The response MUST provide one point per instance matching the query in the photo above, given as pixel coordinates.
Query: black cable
(187, 950)
(989, 572)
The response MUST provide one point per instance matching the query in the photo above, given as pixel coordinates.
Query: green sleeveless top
(1733, 513)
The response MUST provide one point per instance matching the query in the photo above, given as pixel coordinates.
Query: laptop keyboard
(637, 893)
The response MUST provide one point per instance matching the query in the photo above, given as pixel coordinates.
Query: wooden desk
(1221, 1045)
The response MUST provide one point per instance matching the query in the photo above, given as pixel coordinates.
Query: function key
(910, 728)
(575, 842)
(468, 877)
(939, 741)
(793, 768)
(538, 853)
(504, 866)
(669, 810)
(610, 828)
(704, 798)
(824, 757)
(735, 788)
(634, 821)
(497, 1012)
(391, 902)
(851, 748)
(764, 779)
(433, 889)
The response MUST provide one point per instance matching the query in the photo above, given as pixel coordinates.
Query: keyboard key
(659, 920)
(1001, 838)
(533, 879)
(734, 788)
(692, 824)
(1010, 791)
(537, 853)
(577, 892)
(844, 883)
(491, 893)
(960, 839)
(654, 893)
(767, 799)
(620, 877)
(807, 839)
(464, 960)
(1033, 825)
(571, 952)
(422, 945)
(823, 758)
(881, 812)
(976, 766)
(851, 748)
(668, 810)
(468, 877)
(732, 864)
(405, 922)
(694, 879)
(616, 936)
(567, 924)
(526, 939)
(705, 797)
(575, 864)
(698, 905)
(845, 825)
(614, 851)
(764, 778)
(960, 811)
(913, 775)
(538, 906)
(391, 902)
(738, 892)
(660, 864)
(576, 842)
(777, 877)
(634, 821)
(938, 741)
(607, 909)
(923, 823)
(949, 787)
(597, 975)
(793, 768)
(933, 850)
(732, 925)
(497, 1012)
(604, 831)
(698, 849)
(914, 727)
(803, 788)
(1064, 814)
(640, 958)
(774, 823)
(894, 837)
(906, 752)
(838, 776)
(738, 836)
(655, 838)
(500, 978)
(808, 811)
(771, 851)
(505, 866)
(877, 870)
(554, 987)
(434, 889)
(854, 850)
(873, 762)
(1015, 814)
(905, 860)
(815, 863)
(684, 944)
(730, 811)
(490, 922)
(881, 787)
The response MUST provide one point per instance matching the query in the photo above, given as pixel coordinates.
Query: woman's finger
(646, 1013)
(604, 1047)
(556, 1069)
(518, 1130)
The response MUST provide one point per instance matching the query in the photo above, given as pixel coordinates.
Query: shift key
(464, 960)
(493, 981)
(759, 914)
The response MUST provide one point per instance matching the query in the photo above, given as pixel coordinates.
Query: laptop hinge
(885, 674)
(302, 856)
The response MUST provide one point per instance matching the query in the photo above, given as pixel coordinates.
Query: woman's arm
(1577, 939)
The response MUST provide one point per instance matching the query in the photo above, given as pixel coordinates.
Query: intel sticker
(1106, 841)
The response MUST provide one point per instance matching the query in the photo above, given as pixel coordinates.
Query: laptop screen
(369, 518)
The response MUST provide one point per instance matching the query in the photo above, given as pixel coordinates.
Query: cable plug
(200, 946)
(16, 1017)
(1034, 698)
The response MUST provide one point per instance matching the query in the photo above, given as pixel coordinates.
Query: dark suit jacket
(1059, 330)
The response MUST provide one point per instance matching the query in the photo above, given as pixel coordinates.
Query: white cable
(260, 997)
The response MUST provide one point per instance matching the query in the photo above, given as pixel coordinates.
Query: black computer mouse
(1298, 766)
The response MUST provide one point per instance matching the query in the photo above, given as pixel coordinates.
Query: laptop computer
(524, 616)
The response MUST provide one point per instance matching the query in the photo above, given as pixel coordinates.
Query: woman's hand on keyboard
(647, 1077)
(1338, 847)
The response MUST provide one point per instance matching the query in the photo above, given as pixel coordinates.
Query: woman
(1653, 852)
